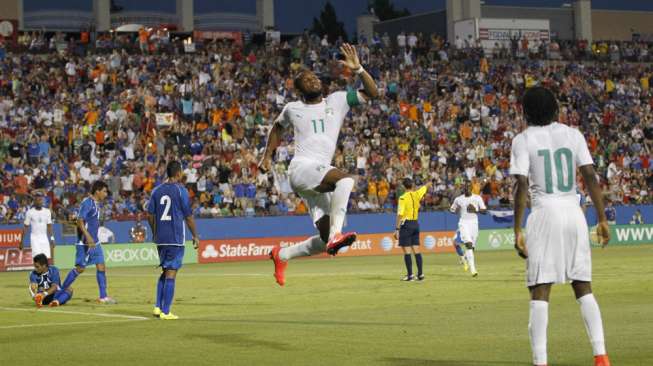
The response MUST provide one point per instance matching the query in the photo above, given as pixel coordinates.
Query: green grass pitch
(341, 311)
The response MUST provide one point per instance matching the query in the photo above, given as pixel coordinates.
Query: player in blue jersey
(45, 284)
(169, 211)
(89, 249)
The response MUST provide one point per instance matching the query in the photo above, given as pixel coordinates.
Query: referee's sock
(418, 260)
(70, 278)
(409, 264)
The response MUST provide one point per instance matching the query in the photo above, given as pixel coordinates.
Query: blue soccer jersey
(47, 279)
(90, 213)
(170, 204)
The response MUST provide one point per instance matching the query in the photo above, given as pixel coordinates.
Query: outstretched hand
(351, 60)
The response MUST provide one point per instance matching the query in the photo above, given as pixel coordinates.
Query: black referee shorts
(409, 233)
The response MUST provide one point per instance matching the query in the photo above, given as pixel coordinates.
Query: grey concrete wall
(427, 23)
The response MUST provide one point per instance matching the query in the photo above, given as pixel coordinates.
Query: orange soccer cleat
(339, 241)
(279, 266)
(38, 299)
(601, 360)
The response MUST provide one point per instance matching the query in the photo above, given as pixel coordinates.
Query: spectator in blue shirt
(610, 213)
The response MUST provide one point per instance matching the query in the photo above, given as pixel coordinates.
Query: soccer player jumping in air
(556, 243)
(316, 121)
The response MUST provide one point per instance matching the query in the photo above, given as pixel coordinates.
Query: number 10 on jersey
(318, 123)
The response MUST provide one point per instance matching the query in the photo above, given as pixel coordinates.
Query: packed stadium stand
(447, 112)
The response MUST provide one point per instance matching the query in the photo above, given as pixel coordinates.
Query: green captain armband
(352, 98)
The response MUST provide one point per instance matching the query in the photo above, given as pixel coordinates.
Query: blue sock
(168, 294)
(101, 277)
(159, 291)
(62, 297)
(418, 260)
(459, 250)
(409, 264)
(70, 278)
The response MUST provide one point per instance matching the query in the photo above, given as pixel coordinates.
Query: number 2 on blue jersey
(166, 202)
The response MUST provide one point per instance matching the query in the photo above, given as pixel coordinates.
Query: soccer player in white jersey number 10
(316, 122)
(556, 242)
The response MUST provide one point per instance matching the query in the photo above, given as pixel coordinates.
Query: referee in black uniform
(407, 227)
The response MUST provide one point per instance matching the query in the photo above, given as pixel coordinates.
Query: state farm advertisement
(10, 238)
(12, 259)
(248, 249)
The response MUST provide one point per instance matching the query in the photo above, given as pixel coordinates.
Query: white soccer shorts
(468, 232)
(558, 245)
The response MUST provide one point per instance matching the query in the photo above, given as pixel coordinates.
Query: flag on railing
(502, 216)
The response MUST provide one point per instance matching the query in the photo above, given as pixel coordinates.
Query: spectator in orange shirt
(143, 35)
(372, 191)
(466, 131)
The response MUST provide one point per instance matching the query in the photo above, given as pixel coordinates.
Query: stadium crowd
(446, 113)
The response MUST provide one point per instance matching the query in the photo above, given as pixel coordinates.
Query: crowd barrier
(240, 239)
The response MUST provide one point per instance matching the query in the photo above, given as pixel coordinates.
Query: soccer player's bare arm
(520, 198)
(352, 62)
(589, 177)
(274, 138)
(151, 219)
(190, 221)
(81, 225)
(21, 245)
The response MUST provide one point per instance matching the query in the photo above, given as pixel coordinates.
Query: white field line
(104, 315)
(69, 323)
(208, 274)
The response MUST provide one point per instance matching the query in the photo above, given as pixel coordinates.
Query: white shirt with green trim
(317, 126)
(549, 156)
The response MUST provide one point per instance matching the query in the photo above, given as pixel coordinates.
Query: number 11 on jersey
(315, 125)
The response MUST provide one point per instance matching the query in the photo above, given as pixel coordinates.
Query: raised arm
(274, 138)
(589, 176)
(352, 62)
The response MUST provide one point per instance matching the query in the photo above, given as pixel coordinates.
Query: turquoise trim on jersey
(352, 98)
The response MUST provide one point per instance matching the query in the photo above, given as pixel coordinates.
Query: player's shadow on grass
(398, 361)
(302, 322)
(241, 340)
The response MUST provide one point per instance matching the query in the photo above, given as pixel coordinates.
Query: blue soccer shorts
(85, 256)
(171, 256)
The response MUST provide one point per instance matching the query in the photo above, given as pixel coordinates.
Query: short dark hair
(408, 183)
(41, 259)
(540, 106)
(173, 168)
(99, 185)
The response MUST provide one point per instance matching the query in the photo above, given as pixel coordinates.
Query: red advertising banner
(10, 238)
(12, 259)
(236, 37)
(247, 249)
